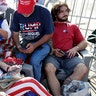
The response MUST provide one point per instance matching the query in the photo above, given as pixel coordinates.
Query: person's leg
(50, 71)
(25, 85)
(77, 68)
(78, 73)
(36, 60)
(21, 55)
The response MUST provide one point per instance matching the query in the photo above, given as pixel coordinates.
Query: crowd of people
(32, 27)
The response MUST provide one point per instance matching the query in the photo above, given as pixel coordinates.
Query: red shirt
(66, 35)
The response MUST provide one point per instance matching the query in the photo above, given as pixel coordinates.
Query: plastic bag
(76, 88)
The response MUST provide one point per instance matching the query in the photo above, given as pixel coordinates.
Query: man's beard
(62, 20)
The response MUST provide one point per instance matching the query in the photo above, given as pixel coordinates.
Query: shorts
(67, 64)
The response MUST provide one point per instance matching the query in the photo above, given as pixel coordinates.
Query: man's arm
(44, 39)
(72, 52)
(4, 33)
(32, 46)
(82, 45)
(7, 67)
(15, 36)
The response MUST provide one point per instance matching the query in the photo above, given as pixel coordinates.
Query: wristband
(7, 69)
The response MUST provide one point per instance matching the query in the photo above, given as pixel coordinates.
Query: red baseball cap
(25, 6)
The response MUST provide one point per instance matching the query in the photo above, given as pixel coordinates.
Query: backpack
(92, 38)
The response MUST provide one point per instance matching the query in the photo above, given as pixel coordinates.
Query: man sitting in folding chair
(67, 41)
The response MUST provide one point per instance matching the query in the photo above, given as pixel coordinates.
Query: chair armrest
(87, 57)
(85, 53)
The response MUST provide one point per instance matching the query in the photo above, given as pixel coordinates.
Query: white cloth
(5, 27)
(1, 72)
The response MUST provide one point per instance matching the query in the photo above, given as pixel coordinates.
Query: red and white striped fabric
(7, 46)
(25, 85)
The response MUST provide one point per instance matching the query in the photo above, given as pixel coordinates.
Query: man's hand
(29, 48)
(14, 67)
(58, 53)
(72, 52)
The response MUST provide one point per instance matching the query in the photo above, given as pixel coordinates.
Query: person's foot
(67, 81)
